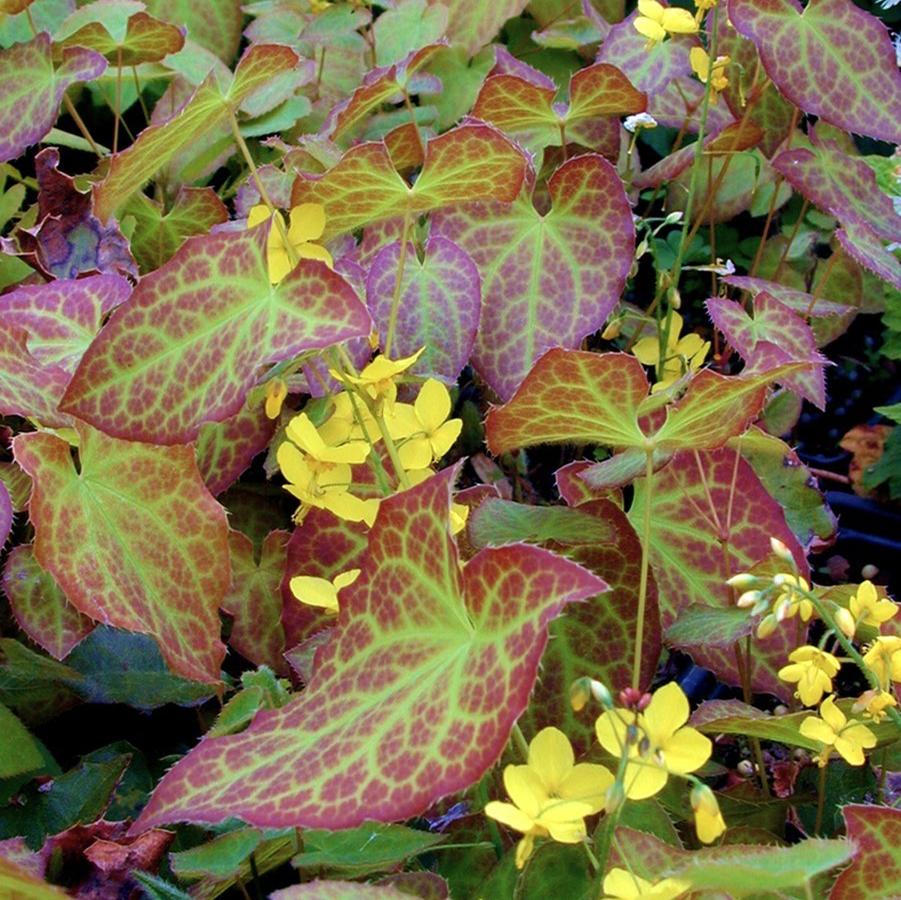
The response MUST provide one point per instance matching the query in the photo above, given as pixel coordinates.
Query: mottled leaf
(526, 110)
(548, 279)
(158, 234)
(208, 107)
(226, 449)
(6, 513)
(596, 638)
(711, 518)
(799, 301)
(62, 317)
(32, 88)
(474, 26)
(255, 601)
(470, 162)
(440, 303)
(186, 348)
(28, 388)
(133, 538)
(814, 62)
(40, 607)
(663, 73)
(144, 38)
(697, 625)
(220, 33)
(777, 326)
(875, 869)
(458, 673)
(866, 247)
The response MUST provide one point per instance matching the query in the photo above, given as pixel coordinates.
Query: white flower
(642, 120)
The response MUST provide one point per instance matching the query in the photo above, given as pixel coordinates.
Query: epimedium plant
(317, 256)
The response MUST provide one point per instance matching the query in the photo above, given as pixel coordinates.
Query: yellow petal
(509, 815)
(302, 432)
(667, 712)
(293, 464)
(709, 826)
(831, 714)
(257, 215)
(647, 350)
(433, 405)
(570, 832)
(686, 751)
(817, 730)
(623, 885)
(279, 264)
(443, 439)
(678, 21)
(315, 251)
(643, 779)
(700, 62)
(346, 579)
(551, 757)
(315, 591)
(587, 783)
(524, 849)
(651, 9)
(459, 513)
(276, 392)
(525, 789)
(649, 28)
(307, 223)
(850, 751)
(415, 453)
(611, 728)
(346, 506)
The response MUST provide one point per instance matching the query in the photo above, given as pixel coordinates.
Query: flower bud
(782, 551)
(579, 694)
(748, 598)
(845, 622)
(767, 626)
(601, 694)
(612, 330)
(743, 581)
(745, 768)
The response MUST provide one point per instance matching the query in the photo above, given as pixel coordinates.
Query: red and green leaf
(207, 108)
(863, 245)
(186, 348)
(809, 55)
(62, 317)
(711, 518)
(255, 601)
(548, 279)
(412, 698)
(32, 89)
(40, 607)
(440, 304)
(133, 538)
(219, 32)
(875, 870)
(469, 163)
(474, 26)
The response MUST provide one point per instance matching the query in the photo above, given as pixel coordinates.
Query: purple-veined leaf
(439, 308)
(186, 348)
(412, 698)
(62, 317)
(6, 514)
(40, 607)
(831, 59)
(32, 88)
(474, 26)
(547, 279)
(133, 538)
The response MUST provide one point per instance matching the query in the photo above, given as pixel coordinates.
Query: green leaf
(18, 882)
(892, 412)
(362, 851)
(422, 652)
(207, 108)
(218, 31)
(405, 28)
(219, 858)
(474, 26)
(20, 753)
(187, 347)
(133, 538)
(698, 625)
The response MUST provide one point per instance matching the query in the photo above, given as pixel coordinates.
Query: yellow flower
(620, 884)
(682, 354)
(301, 431)
(655, 21)
(663, 746)
(378, 378)
(869, 609)
(789, 602)
(319, 6)
(306, 224)
(701, 66)
(276, 392)
(551, 796)
(835, 732)
(813, 670)
(709, 822)
(425, 428)
(873, 704)
(884, 658)
(345, 421)
(320, 591)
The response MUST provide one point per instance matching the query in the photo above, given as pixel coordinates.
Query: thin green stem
(398, 283)
(493, 830)
(591, 857)
(645, 563)
(521, 743)
(117, 112)
(134, 72)
(821, 800)
(562, 126)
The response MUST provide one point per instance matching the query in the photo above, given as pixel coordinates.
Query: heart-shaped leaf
(187, 346)
(808, 54)
(439, 308)
(412, 698)
(547, 279)
(471, 162)
(144, 39)
(133, 538)
(34, 90)
(40, 607)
